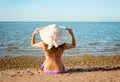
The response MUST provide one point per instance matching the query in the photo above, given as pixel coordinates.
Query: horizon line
(56, 21)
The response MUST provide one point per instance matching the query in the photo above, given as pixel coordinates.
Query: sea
(93, 38)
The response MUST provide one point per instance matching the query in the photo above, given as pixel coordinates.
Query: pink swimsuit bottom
(53, 72)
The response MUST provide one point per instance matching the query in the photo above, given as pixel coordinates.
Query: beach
(96, 57)
(85, 68)
(91, 45)
(93, 76)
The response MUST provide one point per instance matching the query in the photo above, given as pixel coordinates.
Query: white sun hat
(54, 35)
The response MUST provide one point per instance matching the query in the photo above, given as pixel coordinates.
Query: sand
(78, 69)
(70, 76)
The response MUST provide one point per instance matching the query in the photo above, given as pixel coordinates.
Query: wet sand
(84, 68)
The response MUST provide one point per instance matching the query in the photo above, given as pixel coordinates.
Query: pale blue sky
(59, 10)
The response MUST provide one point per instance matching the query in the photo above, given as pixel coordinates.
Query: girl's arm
(73, 44)
(33, 43)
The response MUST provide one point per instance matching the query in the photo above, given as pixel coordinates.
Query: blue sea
(93, 38)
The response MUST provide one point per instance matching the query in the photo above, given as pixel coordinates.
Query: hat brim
(61, 38)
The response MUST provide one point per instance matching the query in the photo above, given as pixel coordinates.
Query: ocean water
(93, 38)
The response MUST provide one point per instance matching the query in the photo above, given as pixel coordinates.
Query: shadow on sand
(91, 69)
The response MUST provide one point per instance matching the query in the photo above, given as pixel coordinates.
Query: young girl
(52, 63)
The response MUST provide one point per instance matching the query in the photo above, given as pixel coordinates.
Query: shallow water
(96, 38)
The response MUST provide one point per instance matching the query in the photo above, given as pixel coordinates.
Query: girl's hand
(37, 30)
(69, 30)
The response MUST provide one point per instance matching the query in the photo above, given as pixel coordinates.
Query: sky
(59, 10)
